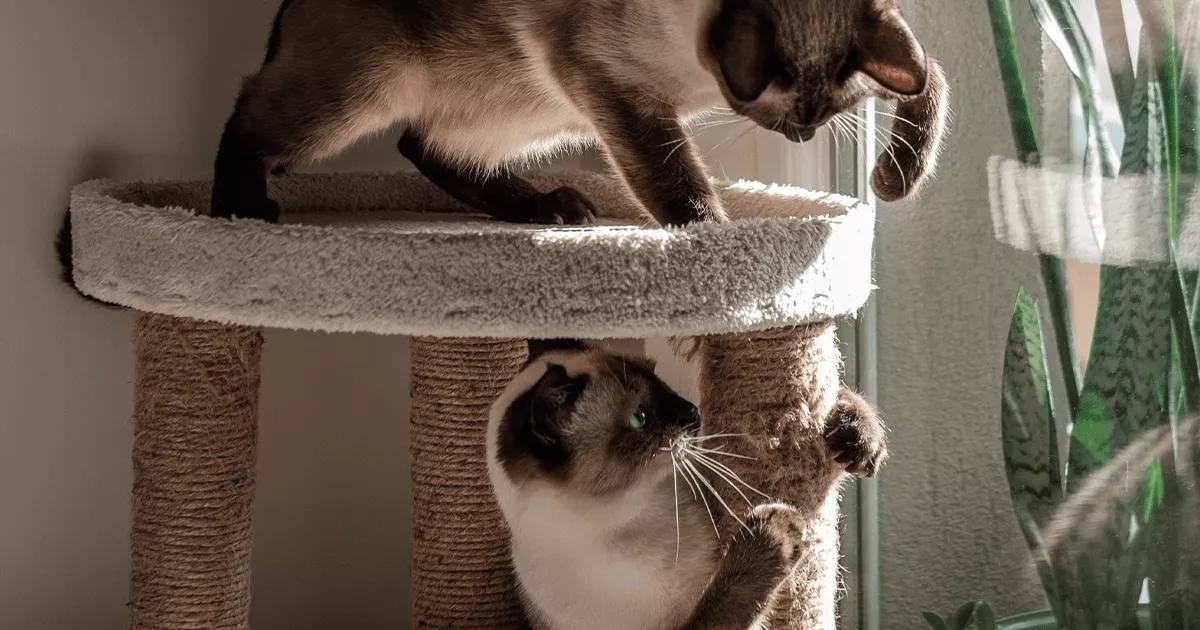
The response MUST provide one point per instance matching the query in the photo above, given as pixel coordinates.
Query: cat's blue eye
(637, 421)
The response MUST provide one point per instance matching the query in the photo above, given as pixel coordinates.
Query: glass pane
(1038, 324)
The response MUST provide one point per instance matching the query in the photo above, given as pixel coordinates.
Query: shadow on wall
(140, 89)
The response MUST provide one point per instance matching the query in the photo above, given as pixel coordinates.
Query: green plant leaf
(1116, 47)
(935, 621)
(1155, 491)
(1028, 429)
(1026, 142)
(1055, 581)
(985, 617)
(962, 616)
(1125, 385)
(1062, 27)
(1019, 113)
(1030, 438)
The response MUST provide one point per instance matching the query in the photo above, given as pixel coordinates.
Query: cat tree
(762, 291)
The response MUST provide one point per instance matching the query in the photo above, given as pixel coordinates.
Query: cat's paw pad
(564, 206)
(781, 527)
(856, 436)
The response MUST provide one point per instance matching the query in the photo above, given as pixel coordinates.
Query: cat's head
(792, 65)
(587, 421)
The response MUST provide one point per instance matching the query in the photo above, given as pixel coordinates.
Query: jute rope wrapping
(193, 463)
(778, 387)
(461, 574)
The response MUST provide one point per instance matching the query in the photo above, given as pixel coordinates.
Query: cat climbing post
(196, 422)
(456, 526)
(392, 255)
(778, 387)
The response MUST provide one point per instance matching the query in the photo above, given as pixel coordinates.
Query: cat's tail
(65, 249)
(1093, 508)
(918, 129)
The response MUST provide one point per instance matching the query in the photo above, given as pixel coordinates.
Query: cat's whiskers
(897, 118)
(701, 128)
(722, 143)
(728, 473)
(689, 470)
(880, 135)
(718, 436)
(716, 495)
(837, 144)
(696, 494)
(721, 453)
(889, 150)
(726, 479)
(720, 122)
(675, 487)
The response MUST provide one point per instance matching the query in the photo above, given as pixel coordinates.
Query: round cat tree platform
(390, 254)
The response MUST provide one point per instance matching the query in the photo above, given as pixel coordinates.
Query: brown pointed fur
(476, 86)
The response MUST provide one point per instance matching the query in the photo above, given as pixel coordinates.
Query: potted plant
(1102, 468)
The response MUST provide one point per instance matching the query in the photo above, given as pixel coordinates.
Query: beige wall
(947, 291)
(139, 89)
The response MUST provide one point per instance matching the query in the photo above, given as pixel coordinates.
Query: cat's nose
(691, 415)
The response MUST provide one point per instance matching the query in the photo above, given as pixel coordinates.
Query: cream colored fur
(592, 563)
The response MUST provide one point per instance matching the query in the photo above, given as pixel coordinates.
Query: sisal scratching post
(362, 265)
(461, 573)
(777, 387)
(193, 463)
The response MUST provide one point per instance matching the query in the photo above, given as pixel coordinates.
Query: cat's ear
(891, 55)
(550, 405)
(743, 42)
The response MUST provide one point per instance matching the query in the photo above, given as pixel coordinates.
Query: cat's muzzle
(800, 134)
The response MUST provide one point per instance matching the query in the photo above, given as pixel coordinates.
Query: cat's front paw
(780, 527)
(564, 206)
(856, 436)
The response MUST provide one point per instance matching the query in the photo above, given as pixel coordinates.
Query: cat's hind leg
(288, 114)
(240, 177)
(501, 195)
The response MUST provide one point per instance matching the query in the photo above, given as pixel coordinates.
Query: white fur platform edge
(391, 254)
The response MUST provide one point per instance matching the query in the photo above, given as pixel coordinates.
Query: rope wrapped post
(461, 573)
(193, 462)
(778, 387)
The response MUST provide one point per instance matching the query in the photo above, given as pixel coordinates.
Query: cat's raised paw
(564, 206)
(780, 526)
(856, 436)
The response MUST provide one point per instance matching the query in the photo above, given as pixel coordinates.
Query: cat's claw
(564, 206)
(856, 436)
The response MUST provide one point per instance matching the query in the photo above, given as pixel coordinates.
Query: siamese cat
(475, 86)
(606, 489)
